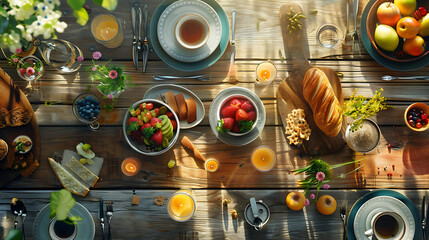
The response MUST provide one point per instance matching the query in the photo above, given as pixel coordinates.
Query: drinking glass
(182, 205)
(107, 30)
(30, 68)
(329, 36)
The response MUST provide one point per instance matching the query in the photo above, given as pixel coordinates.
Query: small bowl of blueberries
(86, 108)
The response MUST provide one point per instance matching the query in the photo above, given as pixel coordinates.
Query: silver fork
(197, 77)
(389, 78)
(343, 212)
(109, 213)
(356, 47)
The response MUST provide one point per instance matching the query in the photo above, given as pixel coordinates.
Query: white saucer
(167, 23)
(378, 204)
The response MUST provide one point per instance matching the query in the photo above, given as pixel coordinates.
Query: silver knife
(232, 37)
(145, 43)
(136, 13)
(424, 217)
(101, 217)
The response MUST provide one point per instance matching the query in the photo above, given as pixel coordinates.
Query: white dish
(167, 23)
(378, 204)
(214, 115)
(156, 91)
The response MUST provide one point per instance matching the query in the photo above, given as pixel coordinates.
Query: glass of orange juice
(107, 30)
(263, 158)
(182, 205)
(266, 72)
(211, 165)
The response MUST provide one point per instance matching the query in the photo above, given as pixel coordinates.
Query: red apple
(407, 27)
(415, 46)
(388, 13)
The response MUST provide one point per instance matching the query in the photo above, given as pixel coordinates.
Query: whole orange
(415, 46)
(407, 27)
(295, 200)
(326, 205)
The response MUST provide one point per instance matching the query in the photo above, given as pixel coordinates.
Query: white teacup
(192, 31)
(386, 226)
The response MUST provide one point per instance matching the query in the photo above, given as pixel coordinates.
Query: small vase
(30, 68)
(365, 138)
(108, 93)
(60, 230)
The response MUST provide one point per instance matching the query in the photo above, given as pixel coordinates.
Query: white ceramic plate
(85, 227)
(167, 23)
(237, 140)
(378, 204)
(156, 91)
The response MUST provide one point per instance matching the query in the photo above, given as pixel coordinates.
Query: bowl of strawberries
(151, 127)
(237, 115)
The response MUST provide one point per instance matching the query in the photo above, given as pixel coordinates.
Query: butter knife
(424, 217)
(136, 20)
(101, 217)
(232, 37)
(145, 41)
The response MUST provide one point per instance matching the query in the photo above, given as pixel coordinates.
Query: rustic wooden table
(258, 37)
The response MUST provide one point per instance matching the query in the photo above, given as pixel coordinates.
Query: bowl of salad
(151, 127)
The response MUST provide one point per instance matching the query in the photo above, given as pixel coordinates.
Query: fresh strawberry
(236, 128)
(229, 111)
(146, 125)
(157, 138)
(228, 123)
(149, 106)
(156, 123)
(149, 115)
(170, 115)
(235, 102)
(174, 123)
(251, 115)
(142, 106)
(132, 124)
(156, 111)
(241, 115)
(247, 106)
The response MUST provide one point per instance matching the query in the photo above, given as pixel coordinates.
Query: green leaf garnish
(148, 132)
(245, 126)
(220, 127)
(61, 204)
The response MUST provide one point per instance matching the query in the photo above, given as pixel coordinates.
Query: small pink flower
(312, 196)
(30, 71)
(15, 60)
(22, 71)
(307, 202)
(113, 74)
(320, 176)
(94, 69)
(96, 55)
(19, 50)
(79, 59)
(110, 96)
(326, 186)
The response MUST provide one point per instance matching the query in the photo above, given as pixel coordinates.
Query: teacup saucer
(167, 22)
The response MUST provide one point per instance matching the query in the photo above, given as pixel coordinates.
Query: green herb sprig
(360, 108)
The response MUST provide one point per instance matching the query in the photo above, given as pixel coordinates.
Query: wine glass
(30, 68)
(86, 108)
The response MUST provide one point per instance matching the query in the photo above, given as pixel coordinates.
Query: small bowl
(421, 106)
(23, 138)
(348, 136)
(371, 24)
(5, 151)
(141, 148)
(239, 96)
(76, 109)
(190, 17)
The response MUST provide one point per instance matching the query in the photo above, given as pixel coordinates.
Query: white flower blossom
(24, 33)
(10, 40)
(21, 9)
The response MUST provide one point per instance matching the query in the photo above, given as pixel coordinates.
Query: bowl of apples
(399, 30)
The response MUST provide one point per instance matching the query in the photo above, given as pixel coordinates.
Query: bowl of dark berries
(237, 115)
(86, 108)
(416, 117)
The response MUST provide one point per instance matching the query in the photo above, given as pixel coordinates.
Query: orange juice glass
(211, 165)
(107, 30)
(182, 205)
(263, 158)
(131, 166)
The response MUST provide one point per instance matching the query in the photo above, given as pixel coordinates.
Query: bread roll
(321, 97)
(192, 110)
(181, 104)
(170, 100)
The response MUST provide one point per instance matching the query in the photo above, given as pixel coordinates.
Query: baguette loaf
(321, 97)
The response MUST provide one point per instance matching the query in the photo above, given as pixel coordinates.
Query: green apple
(406, 7)
(386, 37)
(424, 26)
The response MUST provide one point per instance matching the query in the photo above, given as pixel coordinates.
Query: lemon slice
(67, 180)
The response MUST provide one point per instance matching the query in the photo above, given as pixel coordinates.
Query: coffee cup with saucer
(192, 31)
(386, 226)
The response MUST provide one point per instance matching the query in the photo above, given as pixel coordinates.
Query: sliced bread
(67, 180)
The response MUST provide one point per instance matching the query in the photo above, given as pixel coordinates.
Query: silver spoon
(389, 78)
(257, 222)
(18, 208)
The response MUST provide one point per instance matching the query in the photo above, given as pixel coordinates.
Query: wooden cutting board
(8, 133)
(290, 92)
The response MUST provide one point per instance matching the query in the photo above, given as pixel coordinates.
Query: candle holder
(182, 205)
(266, 72)
(263, 158)
(107, 30)
(211, 165)
(131, 166)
